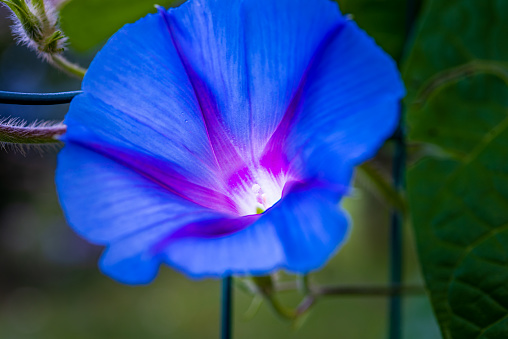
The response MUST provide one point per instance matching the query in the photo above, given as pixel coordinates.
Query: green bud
(28, 23)
(52, 44)
(36, 25)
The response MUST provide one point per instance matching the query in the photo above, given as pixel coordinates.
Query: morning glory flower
(219, 137)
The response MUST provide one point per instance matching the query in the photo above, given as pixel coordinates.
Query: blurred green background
(50, 286)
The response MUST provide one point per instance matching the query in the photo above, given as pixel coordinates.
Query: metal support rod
(37, 98)
(398, 173)
(226, 308)
(396, 240)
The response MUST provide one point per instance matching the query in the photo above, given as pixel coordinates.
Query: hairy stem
(13, 134)
(65, 65)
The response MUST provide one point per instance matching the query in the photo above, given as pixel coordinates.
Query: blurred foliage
(88, 23)
(457, 79)
(384, 20)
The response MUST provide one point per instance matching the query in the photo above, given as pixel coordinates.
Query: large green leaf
(457, 79)
(88, 23)
(384, 20)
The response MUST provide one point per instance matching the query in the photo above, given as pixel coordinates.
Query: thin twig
(353, 290)
(368, 290)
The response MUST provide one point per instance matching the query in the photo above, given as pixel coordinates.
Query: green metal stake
(37, 98)
(226, 308)
(399, 168)
(395, 306)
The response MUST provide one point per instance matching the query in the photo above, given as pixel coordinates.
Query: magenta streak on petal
(208, 229)
(225, 153)
(164, 174)
(238, 178)
(273, 156)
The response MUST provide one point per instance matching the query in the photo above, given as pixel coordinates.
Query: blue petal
(138, 97)
(349, 106)
(247, 58)
(300, 233)
(109, 204)
(254, 250)
(128, 262)
(311, 227)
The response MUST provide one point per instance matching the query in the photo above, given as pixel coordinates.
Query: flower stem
(303, 284)
(226, 308)
(65, 65)
(283, 311)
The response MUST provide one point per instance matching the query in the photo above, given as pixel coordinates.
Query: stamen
(260, 196)
(258, 193)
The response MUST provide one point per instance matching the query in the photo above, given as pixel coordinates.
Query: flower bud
(36, 25)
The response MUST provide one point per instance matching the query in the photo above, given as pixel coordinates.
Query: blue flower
(219, 137)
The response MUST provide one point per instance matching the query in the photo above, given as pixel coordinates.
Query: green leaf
(384, 20)
(457, 80)
(89, 23)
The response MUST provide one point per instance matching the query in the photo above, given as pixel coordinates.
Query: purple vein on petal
(274, 147)
(163, 174)
(208, 229)
(225, 153)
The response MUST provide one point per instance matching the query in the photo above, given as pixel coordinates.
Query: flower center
(254, 195)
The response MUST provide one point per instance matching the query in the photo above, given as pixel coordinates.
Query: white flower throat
(258, 194)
